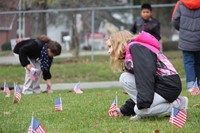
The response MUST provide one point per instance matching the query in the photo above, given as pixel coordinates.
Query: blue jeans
(191, 60)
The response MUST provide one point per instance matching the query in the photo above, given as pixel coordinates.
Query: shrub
(6, 46)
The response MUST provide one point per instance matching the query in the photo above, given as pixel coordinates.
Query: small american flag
(113, 107)
(178, 117)
(77, 89)
(35, 126)
(58, 104)
(17, 96)
(6, 89)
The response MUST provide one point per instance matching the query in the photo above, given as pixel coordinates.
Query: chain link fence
(82, 28)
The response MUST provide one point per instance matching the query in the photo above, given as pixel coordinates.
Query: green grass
(64, 73)
(69, 70)
(85, 113)
(6, 53)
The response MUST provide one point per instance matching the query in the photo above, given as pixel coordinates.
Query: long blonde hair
(119, 41)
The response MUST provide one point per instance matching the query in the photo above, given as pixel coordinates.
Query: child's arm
(134, 28)
(176, 16)
(156, 31)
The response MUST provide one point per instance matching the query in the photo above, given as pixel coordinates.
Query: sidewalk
(85, 85)
(13, 60)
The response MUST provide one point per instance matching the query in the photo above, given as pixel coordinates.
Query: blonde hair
(119, 41)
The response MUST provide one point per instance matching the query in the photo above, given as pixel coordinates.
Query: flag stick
(172, 117)
(60, 101)
(116, 99)
(4, 85)
(32, 121)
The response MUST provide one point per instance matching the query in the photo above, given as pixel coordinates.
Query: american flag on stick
(58, 104)
(77, 89)
(113, 107)
(6, 89)
(178, 117)
(35, 126)
(17, 95)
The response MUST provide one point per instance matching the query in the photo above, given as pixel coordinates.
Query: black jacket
(152, 26)
(147, 82)
(30, 49)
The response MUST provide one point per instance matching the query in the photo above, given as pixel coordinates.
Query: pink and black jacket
(153, 71)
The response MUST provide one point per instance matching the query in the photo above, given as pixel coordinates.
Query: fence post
(92, 41)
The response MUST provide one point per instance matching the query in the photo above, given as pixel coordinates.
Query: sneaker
(194, 91)
(184, 103)
(135, 118)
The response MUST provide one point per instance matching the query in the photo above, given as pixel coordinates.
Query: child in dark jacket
(145, 22)
(36, 56)
(149, 78)
(186, 19)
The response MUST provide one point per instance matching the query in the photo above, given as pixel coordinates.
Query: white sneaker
(184, 103)
(135, 118)
(194, 91)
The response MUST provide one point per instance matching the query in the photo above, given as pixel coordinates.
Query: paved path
(68, 86)
(85, 85)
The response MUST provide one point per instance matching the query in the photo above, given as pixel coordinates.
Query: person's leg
(189, 65)
(127, 81)
(159, 107)
(31, 86)
(197, 72)
(197, 66)
(36, 83)
(28, 84)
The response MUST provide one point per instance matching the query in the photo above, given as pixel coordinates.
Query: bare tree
(39, 24)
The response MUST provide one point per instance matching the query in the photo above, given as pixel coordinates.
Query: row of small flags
(17, 94)
(177, 118)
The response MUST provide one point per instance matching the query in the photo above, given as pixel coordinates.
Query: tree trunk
(38, 20)
(75, 39)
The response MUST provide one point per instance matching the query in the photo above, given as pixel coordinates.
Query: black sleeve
(157, 31)
(134, 28)
(144, 63)
(128, 108)
(25, 51)
(46, 72)
(46, 75)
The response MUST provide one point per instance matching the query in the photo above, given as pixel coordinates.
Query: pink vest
(164, 66)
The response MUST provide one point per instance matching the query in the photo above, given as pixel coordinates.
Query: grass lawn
(67, 70)
(85, 113)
